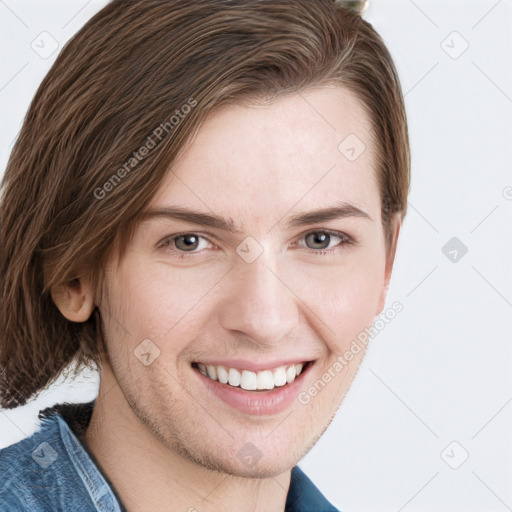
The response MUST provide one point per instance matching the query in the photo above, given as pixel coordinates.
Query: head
(252, 113)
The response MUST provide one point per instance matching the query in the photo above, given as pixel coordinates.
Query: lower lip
(258, 403)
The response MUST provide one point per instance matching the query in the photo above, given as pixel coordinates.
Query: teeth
(212, 372)
(234, 377)
(291, 373)
(265, 380)
(249, 380)
(280, 375)
(222, 374)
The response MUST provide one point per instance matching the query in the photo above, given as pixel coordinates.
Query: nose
(258, 303)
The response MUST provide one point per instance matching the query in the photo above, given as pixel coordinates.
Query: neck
(150, 476)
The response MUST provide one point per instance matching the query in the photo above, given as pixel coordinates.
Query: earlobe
(74, 300)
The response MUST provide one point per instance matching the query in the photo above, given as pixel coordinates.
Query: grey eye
(186, 242)
(318, 240)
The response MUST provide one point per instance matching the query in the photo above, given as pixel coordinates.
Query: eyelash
(344, 240)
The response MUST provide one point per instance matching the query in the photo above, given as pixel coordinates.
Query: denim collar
(71, 420)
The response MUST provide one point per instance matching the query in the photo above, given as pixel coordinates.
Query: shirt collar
(303, 495)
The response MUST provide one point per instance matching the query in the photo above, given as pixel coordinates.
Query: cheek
(157, 302)
(344, 297)
(154, 301)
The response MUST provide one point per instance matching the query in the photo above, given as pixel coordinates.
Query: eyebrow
(339, 211)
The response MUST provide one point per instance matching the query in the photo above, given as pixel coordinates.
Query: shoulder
(304, 496)
(37, 473)
(25, 467)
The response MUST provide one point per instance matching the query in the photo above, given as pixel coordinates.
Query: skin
(162, 439)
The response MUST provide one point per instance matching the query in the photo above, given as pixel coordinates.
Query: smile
(248, 380)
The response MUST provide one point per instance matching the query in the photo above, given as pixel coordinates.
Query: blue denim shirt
(52, 471)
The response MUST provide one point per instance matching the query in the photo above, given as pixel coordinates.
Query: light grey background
(440, 372)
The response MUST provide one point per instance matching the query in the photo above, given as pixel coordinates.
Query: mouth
(254, 389)
(250, 380)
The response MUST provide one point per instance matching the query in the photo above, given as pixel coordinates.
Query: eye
(187, 243)
(322, 240)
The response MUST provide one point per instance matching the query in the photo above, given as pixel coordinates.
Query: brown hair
(123, 97)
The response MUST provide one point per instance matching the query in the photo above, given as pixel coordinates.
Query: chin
(247, 461)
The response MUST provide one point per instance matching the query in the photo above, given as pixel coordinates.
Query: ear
(390, 259)
(74, 300)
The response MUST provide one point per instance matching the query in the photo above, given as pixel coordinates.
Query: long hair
(122, 99)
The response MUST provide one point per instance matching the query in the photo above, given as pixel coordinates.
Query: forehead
(257, 161)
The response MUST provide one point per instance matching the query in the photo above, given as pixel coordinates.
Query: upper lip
(255, 366)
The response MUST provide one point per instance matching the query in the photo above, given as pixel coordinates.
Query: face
(247, 304)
